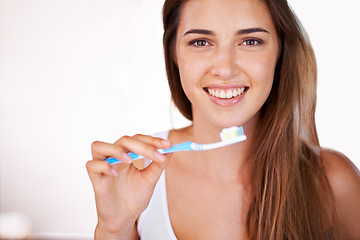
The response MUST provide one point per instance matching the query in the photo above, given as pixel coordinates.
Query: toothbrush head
(230, 133)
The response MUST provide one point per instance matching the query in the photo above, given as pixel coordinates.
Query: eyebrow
(199, 31)
(251, 30)
(240, 32)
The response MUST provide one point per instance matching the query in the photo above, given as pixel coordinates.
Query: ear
(174, 56)
(280, 48)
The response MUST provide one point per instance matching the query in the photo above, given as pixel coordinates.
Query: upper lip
(225, 86)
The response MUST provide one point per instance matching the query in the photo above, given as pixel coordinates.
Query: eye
(199, 43)
(251, 42)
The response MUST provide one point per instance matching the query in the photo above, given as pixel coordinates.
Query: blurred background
(76, 71)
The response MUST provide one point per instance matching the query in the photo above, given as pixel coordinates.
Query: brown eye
(251, 42)
(199, 43)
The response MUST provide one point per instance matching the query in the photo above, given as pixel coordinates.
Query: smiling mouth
(226, 93)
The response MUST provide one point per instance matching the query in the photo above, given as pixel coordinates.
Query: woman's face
(226, 52)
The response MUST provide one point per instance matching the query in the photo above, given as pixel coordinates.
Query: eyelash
(246, 42)
(254, 42)
(196, 42)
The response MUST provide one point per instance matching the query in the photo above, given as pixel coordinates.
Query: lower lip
(226, 102)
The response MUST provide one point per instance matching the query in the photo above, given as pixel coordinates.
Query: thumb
(153, 172)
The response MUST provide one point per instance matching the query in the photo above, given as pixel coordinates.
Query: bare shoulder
(344, 179)
(340, 171)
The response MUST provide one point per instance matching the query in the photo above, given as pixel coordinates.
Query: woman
(278, 184)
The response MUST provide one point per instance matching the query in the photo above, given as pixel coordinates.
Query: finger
(102, 150)
(154, 141)
(153, 172)
(96, 168)
(145, 145)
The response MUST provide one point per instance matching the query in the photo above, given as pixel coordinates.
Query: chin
(225, 122)
(225, 119)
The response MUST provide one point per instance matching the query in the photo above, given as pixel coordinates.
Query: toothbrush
(228, 136)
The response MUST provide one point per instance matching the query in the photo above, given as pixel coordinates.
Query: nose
(224, 63)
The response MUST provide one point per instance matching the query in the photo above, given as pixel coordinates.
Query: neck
(226, 164)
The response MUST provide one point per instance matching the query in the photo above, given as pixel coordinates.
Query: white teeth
(235, 93)
(229, 94)
(222, 94)
(225, 94)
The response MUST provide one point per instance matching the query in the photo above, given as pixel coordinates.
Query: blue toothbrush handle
(186, 146)
(112, 160)
(133, 156)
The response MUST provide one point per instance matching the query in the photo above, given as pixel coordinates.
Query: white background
(75, 71)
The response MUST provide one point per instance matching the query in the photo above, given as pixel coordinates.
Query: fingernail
(166, 142)
(159, 156)
(114, 172)
(127, 158)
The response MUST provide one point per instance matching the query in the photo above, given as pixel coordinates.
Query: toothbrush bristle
(231, 132)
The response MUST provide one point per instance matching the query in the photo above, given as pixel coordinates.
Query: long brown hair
(292, 196)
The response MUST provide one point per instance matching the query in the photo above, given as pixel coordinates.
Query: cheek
(263, 74)
(262, 77)
(191, 72)
(185, 72)
(186, 78)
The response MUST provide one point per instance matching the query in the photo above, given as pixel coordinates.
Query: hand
(122, 192)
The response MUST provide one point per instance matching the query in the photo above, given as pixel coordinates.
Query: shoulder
(344, 179)
(340, 171)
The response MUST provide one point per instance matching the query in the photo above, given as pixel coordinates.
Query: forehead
(225, 14)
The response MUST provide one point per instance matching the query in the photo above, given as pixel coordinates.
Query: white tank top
(154, 223)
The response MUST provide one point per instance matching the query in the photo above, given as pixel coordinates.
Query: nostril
(225, 72)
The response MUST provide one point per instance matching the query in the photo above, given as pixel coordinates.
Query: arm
(128, 231)
(344, 179)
